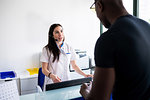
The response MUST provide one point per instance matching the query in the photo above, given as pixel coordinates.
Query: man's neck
(115, 17)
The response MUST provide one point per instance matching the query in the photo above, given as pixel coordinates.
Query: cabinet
(16, 79)
(28, 84)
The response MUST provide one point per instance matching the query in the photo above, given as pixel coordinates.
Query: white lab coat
(61, 67)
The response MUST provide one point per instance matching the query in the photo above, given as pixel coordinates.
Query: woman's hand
(88, 75)
(55, 78)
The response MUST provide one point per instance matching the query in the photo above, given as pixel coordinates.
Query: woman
(56, 57)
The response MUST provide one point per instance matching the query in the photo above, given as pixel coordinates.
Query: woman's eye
(56, 32)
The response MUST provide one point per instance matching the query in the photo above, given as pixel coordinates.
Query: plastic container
(33, 71)
(8, 74)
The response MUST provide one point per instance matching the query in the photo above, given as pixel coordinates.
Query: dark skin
(104, 78)
(102, 85)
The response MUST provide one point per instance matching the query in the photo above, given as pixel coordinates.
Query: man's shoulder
(123, 20)
(107, 34)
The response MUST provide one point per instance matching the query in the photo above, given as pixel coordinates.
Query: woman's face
(58, 34)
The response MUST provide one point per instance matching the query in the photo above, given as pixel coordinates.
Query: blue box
(8, 74)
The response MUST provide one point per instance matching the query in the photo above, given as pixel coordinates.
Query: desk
(57, 94)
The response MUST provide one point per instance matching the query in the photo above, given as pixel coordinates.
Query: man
(122, 56)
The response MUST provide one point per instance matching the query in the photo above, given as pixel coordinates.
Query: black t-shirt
(125, 46)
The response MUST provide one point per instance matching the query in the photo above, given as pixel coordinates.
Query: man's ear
(100, 5)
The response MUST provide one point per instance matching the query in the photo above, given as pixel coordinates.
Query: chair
(41, 78)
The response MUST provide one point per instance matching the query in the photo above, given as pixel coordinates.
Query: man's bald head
(112, 3)
(109, 10)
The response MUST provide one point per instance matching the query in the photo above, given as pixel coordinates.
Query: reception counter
(66, 93)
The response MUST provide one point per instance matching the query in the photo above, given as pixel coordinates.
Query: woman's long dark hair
(51, 46)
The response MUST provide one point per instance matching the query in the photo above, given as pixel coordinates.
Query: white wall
(144, 10)
(24, 28)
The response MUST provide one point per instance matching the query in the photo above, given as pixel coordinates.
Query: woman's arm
(48, 73)
(78, 70)
(44, 69)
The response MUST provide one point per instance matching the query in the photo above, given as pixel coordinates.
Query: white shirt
(61, 67)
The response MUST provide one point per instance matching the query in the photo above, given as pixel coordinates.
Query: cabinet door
(28, 85)
(16, 79)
